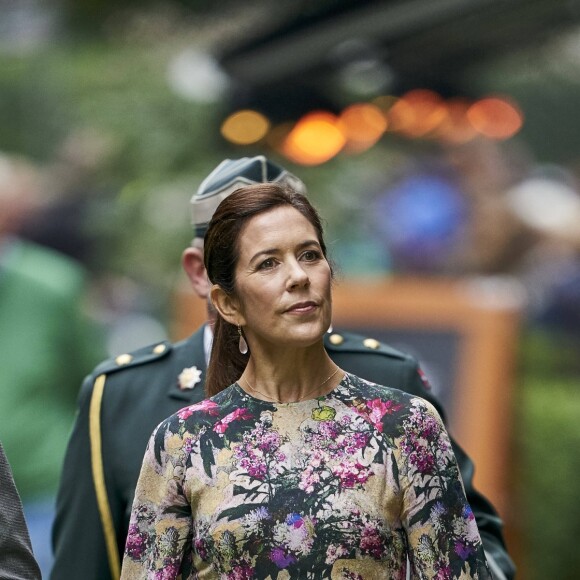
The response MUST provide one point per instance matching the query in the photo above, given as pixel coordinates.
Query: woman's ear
(227, 305)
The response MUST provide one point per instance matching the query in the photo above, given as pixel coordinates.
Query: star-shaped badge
(188, 378)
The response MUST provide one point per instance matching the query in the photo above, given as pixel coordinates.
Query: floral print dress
(358, 484)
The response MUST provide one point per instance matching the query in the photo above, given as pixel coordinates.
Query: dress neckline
(245, 393)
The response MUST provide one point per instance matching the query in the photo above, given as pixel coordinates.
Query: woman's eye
(311, 255)
(269, 263)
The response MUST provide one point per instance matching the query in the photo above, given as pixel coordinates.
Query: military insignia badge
(188, 378)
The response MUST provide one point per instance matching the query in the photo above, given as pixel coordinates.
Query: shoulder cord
(99, 477)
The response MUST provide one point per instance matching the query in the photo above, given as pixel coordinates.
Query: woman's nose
(297, 276)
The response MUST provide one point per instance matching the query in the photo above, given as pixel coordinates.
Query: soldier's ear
(227, 305)
(192, 262)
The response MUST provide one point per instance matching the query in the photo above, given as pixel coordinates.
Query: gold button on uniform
(123, 359)
(160, 349)
(371, 343)
(336, 339)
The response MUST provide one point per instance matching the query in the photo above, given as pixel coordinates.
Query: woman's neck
(296, 375)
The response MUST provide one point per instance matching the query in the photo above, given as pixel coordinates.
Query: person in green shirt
(48, 345)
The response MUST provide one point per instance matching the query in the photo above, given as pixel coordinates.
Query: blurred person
(547, 202)
(72, 195)
(123, 400)
(48, 345)
(523, 225)
(493, 240)
(293, 468)
(16, 558)
(70, 220)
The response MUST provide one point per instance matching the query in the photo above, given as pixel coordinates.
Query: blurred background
(439, 138)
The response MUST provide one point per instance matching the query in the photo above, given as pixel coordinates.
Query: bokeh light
(245, 127)
(316, 138)
(456, 128)
(363, 124)
(495, 117)
(417, 113)
(401, 116)
(420, 220)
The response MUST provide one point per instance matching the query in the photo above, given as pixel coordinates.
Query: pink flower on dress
(169, 572)
(206, 405)
(241, 571)
(371, 541)
(222, 425)
(309, 478)
(375, 410)
(443, 571)
(136, 543)
(334, 552)
(201, 548)
(351, 474)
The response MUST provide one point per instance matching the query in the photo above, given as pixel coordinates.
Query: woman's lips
(302, 307)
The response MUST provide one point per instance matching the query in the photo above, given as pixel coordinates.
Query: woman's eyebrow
(268, 251)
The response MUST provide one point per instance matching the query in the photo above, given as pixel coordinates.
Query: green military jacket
(125, 399)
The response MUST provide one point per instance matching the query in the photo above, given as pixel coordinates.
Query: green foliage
(119, 89)
(548, 440)
(157, 146)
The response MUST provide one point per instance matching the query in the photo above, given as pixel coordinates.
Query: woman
(296, 469)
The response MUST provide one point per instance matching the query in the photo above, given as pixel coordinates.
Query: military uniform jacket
(122, 402)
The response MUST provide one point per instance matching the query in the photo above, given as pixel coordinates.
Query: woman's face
(283, 281)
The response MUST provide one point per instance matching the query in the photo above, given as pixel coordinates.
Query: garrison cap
(231, 174)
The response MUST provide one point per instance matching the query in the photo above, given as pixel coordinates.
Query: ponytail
(226, 363)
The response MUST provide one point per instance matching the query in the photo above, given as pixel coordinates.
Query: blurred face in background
(19, 193)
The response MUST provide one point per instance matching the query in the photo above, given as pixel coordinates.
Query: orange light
(363, 125)
(316, 138)
(428, 112)
(455, 128)
(495, 117)
(245, 127)
(401, 116)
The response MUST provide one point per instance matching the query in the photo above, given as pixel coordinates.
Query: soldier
(124, 399)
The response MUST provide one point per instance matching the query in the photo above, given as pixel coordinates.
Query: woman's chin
(306, 337)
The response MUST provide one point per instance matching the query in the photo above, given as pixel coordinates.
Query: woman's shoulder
(368, 389)
(204, 412)
(366, 392)
(394, 414)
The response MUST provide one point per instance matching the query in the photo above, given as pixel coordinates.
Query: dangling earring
(243, 345)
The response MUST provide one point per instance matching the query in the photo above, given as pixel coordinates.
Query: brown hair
(221, 253)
